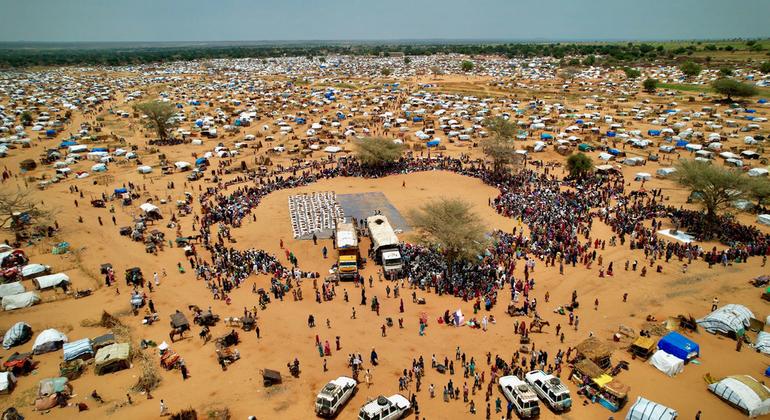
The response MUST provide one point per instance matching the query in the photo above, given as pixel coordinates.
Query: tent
(664, 172)
(7, 382)
(49, 340)
(181, 165)
(112, 358)
(745, 393)
(642, 176)
(21, 300)
(99, 167)
(33, 270)
(764, 219)
(78, 349)
(52, 386)
(433, 143)
(10, 289)
(52, 280)
(729, 319)
(644, 409)
(144, 169)
(19, 334)
(667, 363)
(762, 343)
(757, 172)
(679, 346)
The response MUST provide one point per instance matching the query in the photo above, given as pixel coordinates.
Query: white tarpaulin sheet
(729, 318)
(667, 363)
(644, 409)
(10, 289)
(48, 340)
(51, 280)
(735, 390)
(762, 343)
(22, 300)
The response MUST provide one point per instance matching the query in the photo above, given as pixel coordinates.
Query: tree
(407, 60)
(451, 226)
(715, 187)
(499, 145)
(759, 190)
(467, 66)
(732, 87)
(160, 115)
(579, 165)
(377, 151)
(26, 118)
(650, 85)
(690, 69)
(14, 204)
(765, 67)
(589, 61)
(631, 73)
(725, 71)
(568, 73)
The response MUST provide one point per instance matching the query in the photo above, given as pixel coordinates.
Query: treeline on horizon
(614, 53)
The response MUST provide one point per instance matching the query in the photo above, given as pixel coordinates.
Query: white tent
(730, 318)
(667, 363)
(744, 392)
(332, 149)
(7, 382)
(144, 169)
(51, 280)
(99, 167)
(757, 172)
(10, 289)
(762, 343)
(48, 340)
(182, 165)
(21, 300)
(149, 207)
(664, 172)
(644, 409)
(642, 176)
(764, 219)
(33, 270)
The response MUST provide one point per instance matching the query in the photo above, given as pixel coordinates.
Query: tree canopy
(467, 66)
(631, 73)
(160, 116)
(650, 85)
(579, 165)
(451, 226)
(715, 187)
(377, 151)
(499, 145)
(731, 87)
(690, 69)
(20, 202)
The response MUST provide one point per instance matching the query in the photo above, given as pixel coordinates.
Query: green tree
(579, 165)
(725, 71)
(377, 151)
(631, 73)
(26, 118)
(765, 67)
(690, 69)
(759, 190)
(499, 146)
(452, 227)
(160, 116)
(13, 203)
(589, 61)
(732, 87)
(650, 85)
(715, 187)
(467, 66)
(386, 71)
(407, 60)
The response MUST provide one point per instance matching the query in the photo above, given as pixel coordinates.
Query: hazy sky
(235, 20)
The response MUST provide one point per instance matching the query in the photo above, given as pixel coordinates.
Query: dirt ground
(283, 325)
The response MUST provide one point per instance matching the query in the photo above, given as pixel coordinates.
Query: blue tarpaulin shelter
(679, 346)
(653, 132)
(417, 119)
(681, 143)
(201, 161)
(120, 190)
(611, 134)
(613, 152)
(433, 143)
(546, 136)
(50, 133)
(67, 143)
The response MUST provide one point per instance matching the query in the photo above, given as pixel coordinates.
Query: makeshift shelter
(664, 172)
(731, 320)
(10, 289)
(51, 280)
(596, 351)
(642, 176)
(21, 300)
(667, 363)
(49, 389)
(34, 270)
(152, 211)
(679, 346)
(102, 341)
(18, 334)
(112, 358)
(7, 382)
(644, 409)
(764, 219)
(80, 349)
(49, 340)
(744, 393)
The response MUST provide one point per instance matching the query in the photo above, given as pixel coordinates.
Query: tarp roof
(729, 318)
(644, 409)
(744, 392)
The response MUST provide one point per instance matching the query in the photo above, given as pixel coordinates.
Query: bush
(650, 85)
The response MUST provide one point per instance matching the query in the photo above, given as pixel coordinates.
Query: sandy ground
(285, 334)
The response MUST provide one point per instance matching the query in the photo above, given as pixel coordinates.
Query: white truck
(520, 394)
(550, 389)
(382, 408)
(334, 395)
(385, 245)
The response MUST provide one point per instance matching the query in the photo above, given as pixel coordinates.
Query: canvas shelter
(7, 382)
(80, 349)
(48, 340)
(51, 280)
(18, 334)
(745, 393)
(730, 319)
(112, 358)
(21, 300)
(10, 289)
(679, 346)
(667, 363)
(644, 409)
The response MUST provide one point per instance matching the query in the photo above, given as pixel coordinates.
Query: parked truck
(347, 250)
(385, 246)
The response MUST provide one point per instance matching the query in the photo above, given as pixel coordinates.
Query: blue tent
(679, 346)
(681, 143)
(67, 143)
(611, 134)
(417, 119)
(653, 132)
(50, 133)
(433, 143)
(581, 122)
(199, 123)
(238, 123)
(299, 120)
(751, 111)
(180, 106)
(762, 101)
(614, 152)
(201, 161)
(120, 190)
(100, 149)
(767, 371)
(546, 136)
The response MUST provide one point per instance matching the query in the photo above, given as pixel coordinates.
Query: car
(523, 398)
(334, 395)
(550, 389)
(385, 408)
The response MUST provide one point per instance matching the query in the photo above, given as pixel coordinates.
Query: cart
(270, 377)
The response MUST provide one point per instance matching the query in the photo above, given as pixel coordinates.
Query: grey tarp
(20, 333)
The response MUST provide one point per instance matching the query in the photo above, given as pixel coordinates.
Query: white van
(522, 397)
(334, 395)
(550, 389)
(390, 408)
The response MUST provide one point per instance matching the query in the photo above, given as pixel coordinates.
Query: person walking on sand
(714, 304)
(163, 408)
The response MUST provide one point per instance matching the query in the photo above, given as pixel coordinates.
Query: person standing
(163, 408)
